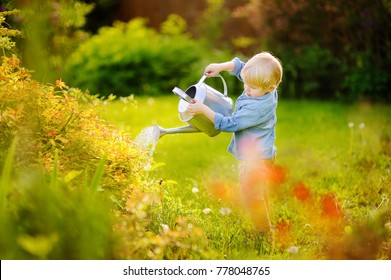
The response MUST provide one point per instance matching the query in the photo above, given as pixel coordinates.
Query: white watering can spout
(160, 131)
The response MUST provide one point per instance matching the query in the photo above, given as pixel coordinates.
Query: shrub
(345, 31)
(72, 186)
(311, 72)
(131, 58)
(56, 118)
(367, 80)
(47, 130)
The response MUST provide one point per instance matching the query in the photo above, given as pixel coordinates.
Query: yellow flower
(60, 84)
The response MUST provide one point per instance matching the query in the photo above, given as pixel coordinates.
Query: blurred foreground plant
(52, 30)
(42, 218)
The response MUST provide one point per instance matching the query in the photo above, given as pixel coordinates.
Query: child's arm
(216, 68)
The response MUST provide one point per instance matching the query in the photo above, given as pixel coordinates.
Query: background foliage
(330, 48)
(340, 55)
(131, 58)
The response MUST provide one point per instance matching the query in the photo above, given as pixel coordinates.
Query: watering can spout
(159, 131)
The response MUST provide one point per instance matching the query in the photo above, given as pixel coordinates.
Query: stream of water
(148, 138)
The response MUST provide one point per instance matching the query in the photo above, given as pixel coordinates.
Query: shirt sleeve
(244, 117)
(238, 66)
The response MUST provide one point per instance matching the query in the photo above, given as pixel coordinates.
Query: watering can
(218, 102)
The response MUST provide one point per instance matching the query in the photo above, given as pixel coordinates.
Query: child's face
(252, 91)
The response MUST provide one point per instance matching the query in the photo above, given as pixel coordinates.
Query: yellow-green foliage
(6, 33)
(56, 118)
(72, 185)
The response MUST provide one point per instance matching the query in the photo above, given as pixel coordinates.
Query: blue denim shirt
(253, 123)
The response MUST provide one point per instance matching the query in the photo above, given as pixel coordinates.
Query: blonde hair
(263, 70)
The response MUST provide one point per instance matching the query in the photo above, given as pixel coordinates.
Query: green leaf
(72, 175)
(54, 176)
(171, 182)
(157, 165)
(5, 180)
(96, 181)
(39, 245)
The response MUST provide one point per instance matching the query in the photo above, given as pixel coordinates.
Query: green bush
(314, 72)
(367, 81)
(311, 72)
(131, 58)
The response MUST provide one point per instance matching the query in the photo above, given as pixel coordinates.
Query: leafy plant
(311, 72)
(5, 33)
(367, 81)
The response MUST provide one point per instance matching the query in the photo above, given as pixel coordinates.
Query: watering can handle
(218, 75)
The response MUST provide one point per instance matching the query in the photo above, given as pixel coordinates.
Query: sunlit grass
(337, 152)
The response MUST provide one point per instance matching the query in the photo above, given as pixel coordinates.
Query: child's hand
(213, 69)
(195, 108)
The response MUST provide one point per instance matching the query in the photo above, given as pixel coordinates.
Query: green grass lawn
(330, 149)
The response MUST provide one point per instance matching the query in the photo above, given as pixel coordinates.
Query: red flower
(330, 206)
(276, 174)
(301, 192)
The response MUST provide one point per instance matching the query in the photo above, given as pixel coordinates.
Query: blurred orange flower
(301, 192)
(276, 174)
(330, 206)
(223, 191)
